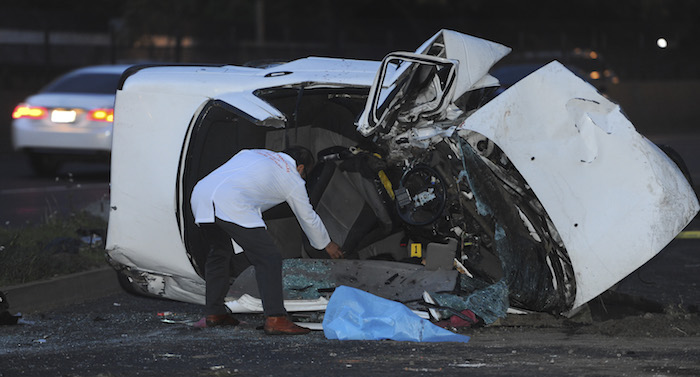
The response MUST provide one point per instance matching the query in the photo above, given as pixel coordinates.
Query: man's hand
(334, 250)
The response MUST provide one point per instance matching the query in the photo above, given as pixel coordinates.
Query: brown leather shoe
(216, 320)
(283, 326)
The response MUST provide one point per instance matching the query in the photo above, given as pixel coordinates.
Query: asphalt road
(122, 335)
(29, 199)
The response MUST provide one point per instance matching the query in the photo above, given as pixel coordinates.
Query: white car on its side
(69, 119)
(546, 189)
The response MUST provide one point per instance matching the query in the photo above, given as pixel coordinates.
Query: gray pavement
(123, 335)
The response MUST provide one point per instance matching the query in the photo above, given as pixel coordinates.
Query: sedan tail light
(101, 115)
(24, 110)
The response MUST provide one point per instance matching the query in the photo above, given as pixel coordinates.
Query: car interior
(347, 195)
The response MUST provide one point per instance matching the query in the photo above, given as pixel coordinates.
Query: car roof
(212, 79)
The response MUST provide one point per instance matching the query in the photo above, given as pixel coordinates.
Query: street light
(661, 42)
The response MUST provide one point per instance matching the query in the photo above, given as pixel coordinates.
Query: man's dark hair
(301, 155)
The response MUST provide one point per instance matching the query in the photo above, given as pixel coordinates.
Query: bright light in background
(662, 43)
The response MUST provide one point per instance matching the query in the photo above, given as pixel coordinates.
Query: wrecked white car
(427, 181)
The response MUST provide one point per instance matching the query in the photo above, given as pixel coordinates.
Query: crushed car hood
(615, 198)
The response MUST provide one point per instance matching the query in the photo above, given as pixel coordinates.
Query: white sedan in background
(69, 119)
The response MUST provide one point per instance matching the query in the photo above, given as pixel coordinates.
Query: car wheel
(127, 286)
(678, 160)
(131, 288)
(44, 165)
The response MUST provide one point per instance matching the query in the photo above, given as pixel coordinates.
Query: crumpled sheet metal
(353, 314)
(189, 288)
(476, 57)
(614, 197)
(472, 56)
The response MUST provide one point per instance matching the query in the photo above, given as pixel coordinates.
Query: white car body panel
(386, 81)
(143, 202)
(614, 197)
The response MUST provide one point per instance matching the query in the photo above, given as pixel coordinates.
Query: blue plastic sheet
(353, 314)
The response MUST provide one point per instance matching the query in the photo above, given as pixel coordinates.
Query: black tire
(44, 165)
(131, 288)
(676, 157)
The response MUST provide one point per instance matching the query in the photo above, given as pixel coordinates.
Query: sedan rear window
(96, 83)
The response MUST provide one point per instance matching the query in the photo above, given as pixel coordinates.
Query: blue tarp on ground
(353, 314)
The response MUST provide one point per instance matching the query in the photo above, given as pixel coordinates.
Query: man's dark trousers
(262, 253)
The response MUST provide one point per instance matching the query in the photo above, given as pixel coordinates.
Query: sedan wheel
(44, 165)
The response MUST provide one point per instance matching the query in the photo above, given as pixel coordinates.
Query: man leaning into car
(228, 204)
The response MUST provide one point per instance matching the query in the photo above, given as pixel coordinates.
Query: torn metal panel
(615, 198)
(420, 85)
(255, 109)
(413, 94)
(476, 56)
(310, 279)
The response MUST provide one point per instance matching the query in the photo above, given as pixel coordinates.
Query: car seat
(350, 207)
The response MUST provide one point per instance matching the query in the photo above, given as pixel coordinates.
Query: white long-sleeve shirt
(251, 182)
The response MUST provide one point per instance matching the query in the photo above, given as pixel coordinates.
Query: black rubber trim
(135, 68)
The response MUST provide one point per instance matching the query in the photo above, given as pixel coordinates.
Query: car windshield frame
(89, 82)
(394, 84)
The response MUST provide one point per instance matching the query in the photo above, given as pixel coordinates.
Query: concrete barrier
(61, 291)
